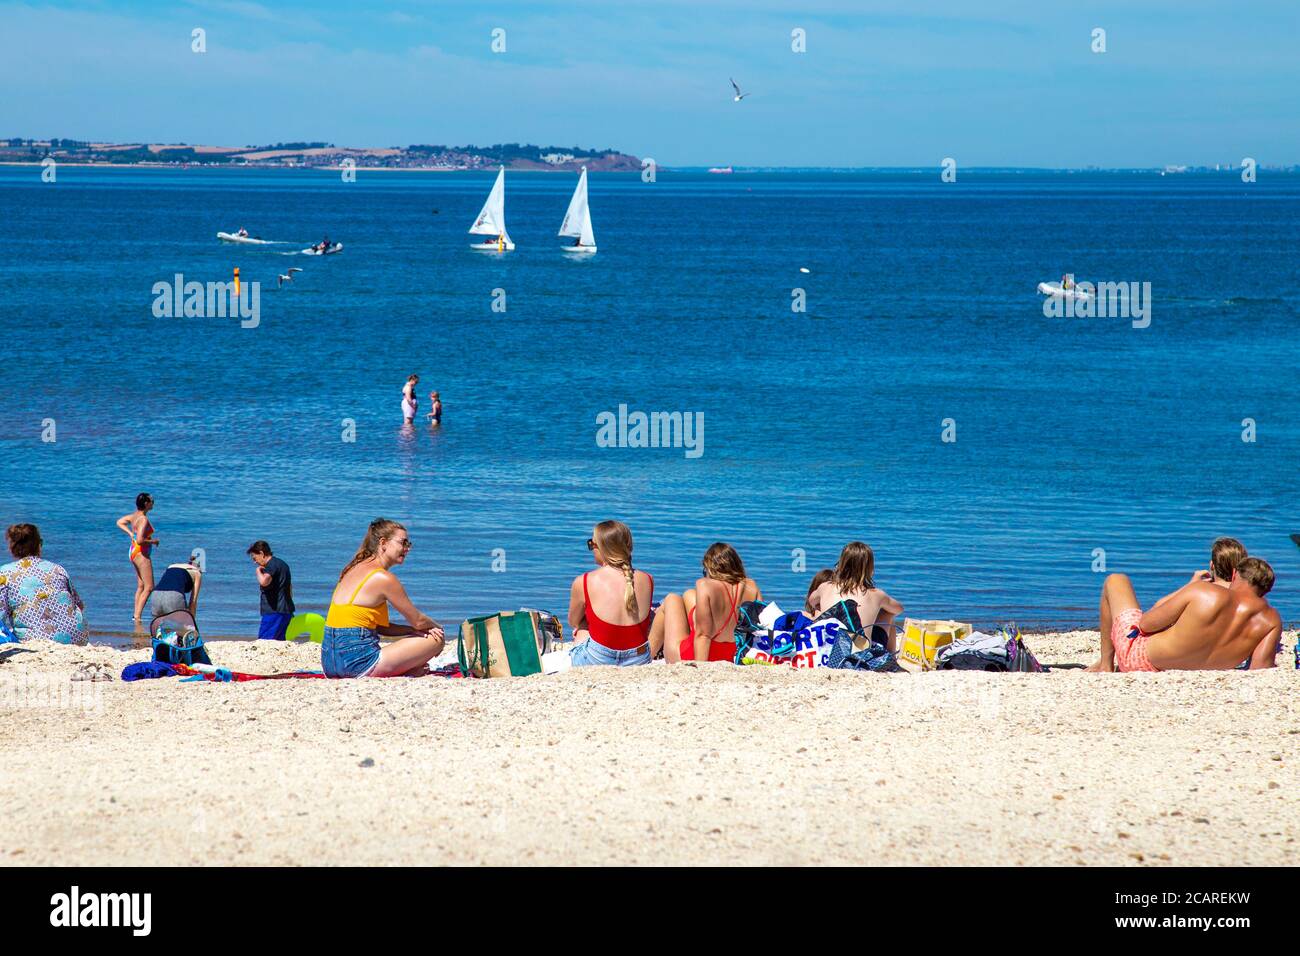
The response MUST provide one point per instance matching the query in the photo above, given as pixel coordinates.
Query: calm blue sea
(819, 427)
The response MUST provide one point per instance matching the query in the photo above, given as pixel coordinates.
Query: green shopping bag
(506, 644)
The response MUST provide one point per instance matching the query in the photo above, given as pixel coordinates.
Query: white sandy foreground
(710, 764)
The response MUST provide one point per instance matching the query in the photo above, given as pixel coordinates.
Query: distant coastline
(514, 156)
(738, 170)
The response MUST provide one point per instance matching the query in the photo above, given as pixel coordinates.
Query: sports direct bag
(507, 644)
(922, 640)
(766, 635)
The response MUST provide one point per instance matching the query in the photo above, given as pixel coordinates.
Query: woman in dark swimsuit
(178, 588)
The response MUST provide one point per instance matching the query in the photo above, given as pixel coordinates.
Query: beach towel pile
(1001, 652)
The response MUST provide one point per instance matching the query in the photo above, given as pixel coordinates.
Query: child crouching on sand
(358, 614)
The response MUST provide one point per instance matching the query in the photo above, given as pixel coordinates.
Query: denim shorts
(349, 651)
(590, 652)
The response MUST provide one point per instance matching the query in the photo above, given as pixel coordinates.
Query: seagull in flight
(739, 95)
(289, 278)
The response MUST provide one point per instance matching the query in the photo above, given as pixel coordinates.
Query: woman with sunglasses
(358, 614)
(700, 623)
(609, 608)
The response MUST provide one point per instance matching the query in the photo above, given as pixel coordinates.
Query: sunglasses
(404, 543)
(591, 544)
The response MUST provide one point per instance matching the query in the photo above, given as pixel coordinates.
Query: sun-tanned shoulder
(1208, 594)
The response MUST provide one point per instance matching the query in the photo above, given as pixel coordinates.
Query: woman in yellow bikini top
(351, 645)
(358, 615)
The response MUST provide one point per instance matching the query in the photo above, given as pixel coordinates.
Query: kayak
(334, 247)
(1055, 290)
(246, 240)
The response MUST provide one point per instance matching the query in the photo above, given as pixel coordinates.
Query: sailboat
(491, 219)
(577, 221)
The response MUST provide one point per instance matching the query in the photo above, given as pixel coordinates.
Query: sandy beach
(710, 764)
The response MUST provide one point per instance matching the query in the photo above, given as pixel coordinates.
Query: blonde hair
(1257, 573)
(380, 530)
(856, 565)
(722, 563)
(1226, 555)
(614, 539)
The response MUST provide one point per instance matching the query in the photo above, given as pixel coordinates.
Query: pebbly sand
(710, 764)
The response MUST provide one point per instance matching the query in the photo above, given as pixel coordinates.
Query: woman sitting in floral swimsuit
(36, 597)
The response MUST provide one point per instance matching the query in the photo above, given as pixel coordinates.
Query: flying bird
(289, 278)
(739, 95)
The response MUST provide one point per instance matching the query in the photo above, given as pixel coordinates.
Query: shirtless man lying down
(1201, 626)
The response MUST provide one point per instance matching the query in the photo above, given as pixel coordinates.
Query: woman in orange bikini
(700, 624)
(358, 614)
(609, 608)
(140, 531)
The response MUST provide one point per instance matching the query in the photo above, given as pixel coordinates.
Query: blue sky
(988, 82)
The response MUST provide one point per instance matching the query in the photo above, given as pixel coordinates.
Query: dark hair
(1257, 573)
(142, 499)
(820, 578)
(259, 547)
(24, 540)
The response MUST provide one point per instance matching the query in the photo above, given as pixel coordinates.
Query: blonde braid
(629, 592)
(615, 542)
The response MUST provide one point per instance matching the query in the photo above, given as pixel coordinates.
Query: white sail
(577, 221)
(491, 219)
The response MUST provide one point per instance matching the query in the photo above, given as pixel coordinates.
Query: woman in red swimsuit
(609, 608)
(699, 624)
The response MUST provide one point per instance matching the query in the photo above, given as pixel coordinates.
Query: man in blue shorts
(277, 591)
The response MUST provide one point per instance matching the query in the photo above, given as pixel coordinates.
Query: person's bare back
(1213, 628)
(874, 605)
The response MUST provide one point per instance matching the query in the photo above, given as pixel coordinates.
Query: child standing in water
(435, 409)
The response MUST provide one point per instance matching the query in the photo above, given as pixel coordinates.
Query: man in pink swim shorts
(1129, 642)
(1203, 625)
